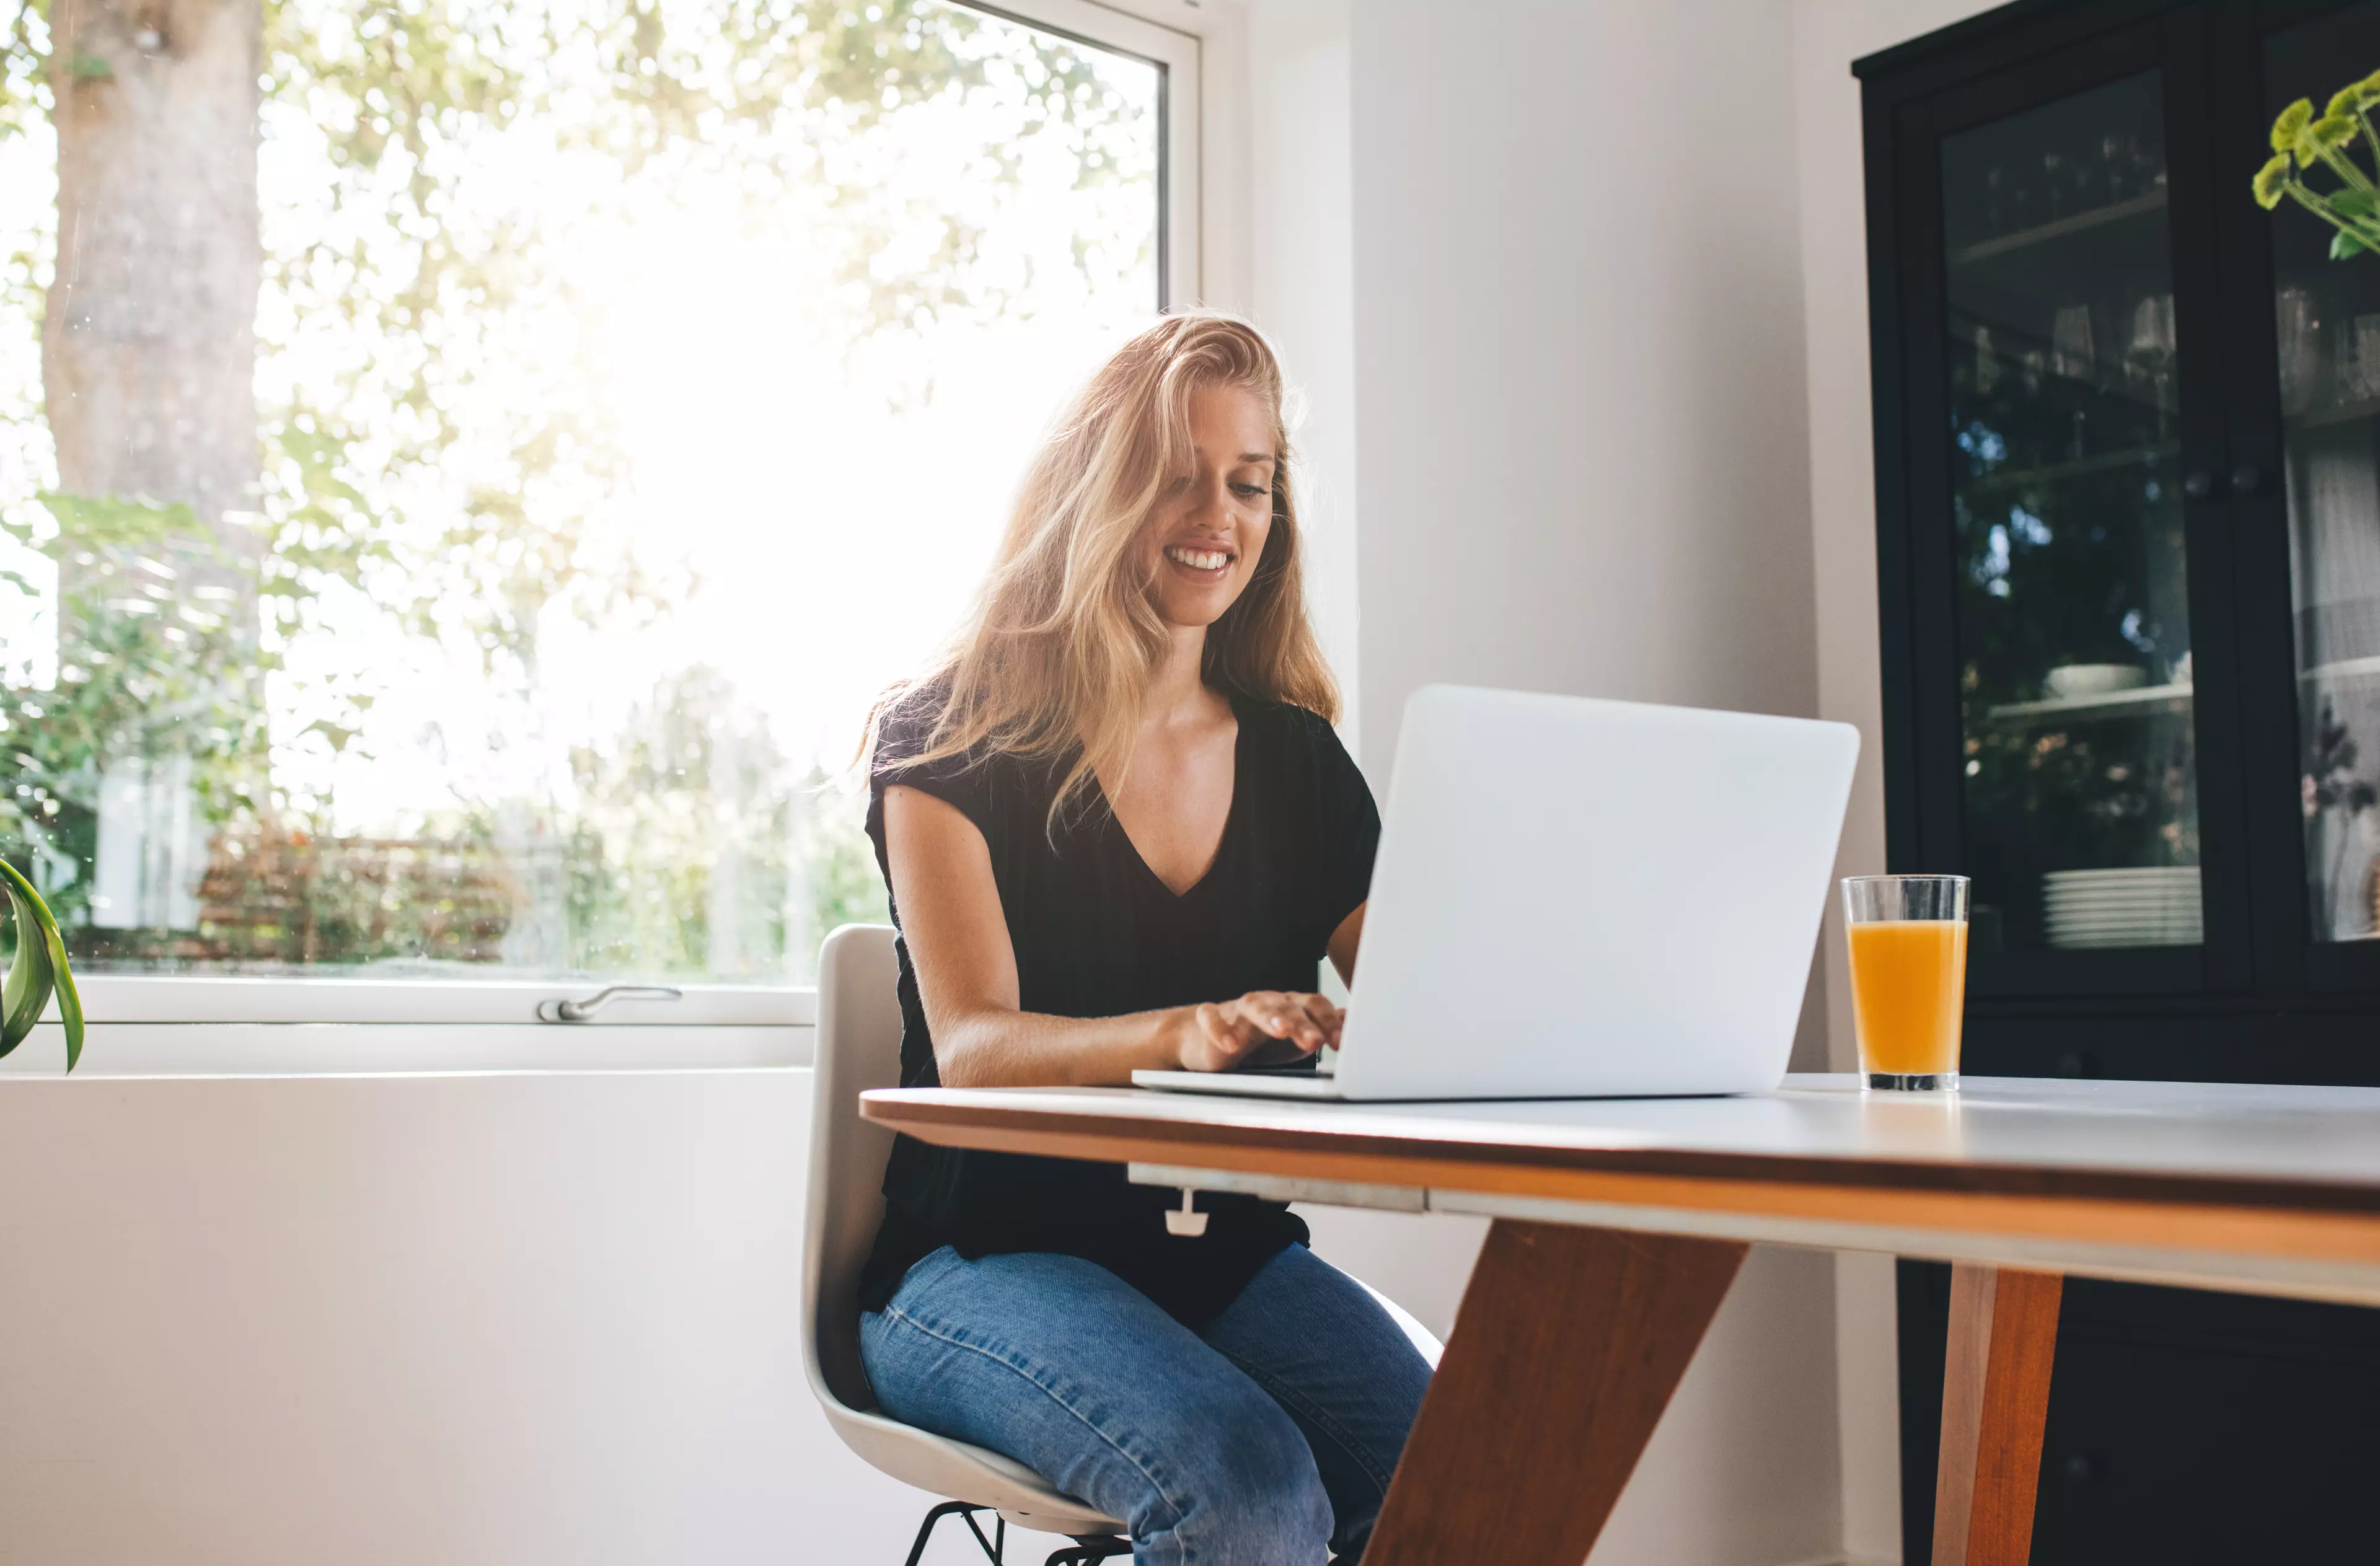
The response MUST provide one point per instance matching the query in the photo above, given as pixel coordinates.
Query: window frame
(248, 1023)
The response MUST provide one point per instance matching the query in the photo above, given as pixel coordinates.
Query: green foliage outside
(397, 483)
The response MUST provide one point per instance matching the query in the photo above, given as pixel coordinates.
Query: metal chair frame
(1084, 1551)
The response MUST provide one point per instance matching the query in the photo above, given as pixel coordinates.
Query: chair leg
(956, 1509)
(994, 1547)
(1089, 1551)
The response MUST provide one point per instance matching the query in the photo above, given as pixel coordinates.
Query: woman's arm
(1343, 941)
(958, 935)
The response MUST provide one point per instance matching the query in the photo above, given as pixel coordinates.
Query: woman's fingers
(1313, 1022)
(1288, 1016)
(1318, 1019)
(1305, 1020)
(1234, 1030)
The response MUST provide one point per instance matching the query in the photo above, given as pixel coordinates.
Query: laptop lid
(1579, 897)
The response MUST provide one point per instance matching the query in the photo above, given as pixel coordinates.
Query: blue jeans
(1265, 1437)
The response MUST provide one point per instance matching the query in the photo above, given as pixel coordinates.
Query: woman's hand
(1262, 1027)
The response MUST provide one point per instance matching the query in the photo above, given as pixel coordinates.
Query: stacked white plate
(2157, 906)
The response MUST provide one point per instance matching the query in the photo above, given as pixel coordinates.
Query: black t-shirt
(1098, 934)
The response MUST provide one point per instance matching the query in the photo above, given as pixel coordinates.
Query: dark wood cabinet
(2128, 496)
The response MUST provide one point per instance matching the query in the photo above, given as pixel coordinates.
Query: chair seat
(971, 1473)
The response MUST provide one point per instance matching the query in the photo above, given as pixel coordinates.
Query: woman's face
(1210, 524)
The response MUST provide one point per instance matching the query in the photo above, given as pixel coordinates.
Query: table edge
(1088, 1134)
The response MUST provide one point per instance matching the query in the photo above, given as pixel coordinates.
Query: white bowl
(2073, 681)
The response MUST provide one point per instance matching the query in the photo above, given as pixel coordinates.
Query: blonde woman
(1118, 833)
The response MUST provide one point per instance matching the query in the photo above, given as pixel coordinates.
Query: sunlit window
(468, 468)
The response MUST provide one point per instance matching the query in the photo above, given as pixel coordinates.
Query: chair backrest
(858, 1048)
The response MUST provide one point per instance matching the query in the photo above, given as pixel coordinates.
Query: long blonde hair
(1055, 658)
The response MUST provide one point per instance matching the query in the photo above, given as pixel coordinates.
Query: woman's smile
(1204, 564)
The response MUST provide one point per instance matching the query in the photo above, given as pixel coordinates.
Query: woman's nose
(1210, 500)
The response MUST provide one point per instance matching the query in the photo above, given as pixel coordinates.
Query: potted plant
(38, 971)
(2302, 139)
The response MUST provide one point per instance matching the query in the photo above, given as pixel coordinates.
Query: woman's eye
(1250, 491)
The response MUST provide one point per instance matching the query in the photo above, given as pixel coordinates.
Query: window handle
(581, 1011)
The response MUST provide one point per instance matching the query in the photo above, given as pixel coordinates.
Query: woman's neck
(1177, 690)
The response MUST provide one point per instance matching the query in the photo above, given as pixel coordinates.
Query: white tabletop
(2322, 1136)
(2018, 1170)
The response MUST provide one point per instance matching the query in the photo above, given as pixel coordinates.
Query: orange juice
(1908, 979)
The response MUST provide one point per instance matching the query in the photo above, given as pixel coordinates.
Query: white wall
(527, 1319)
(1828, 35)
(1582, 466)
(511, 1319)
(1301, 279)
(1580, 457)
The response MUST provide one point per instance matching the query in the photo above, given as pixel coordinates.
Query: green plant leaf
(19, 980)
(2343, 245)
(2356, 203)
(39, 940)
(27, 989)
(69, 1001)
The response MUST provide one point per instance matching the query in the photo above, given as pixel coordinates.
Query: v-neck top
(1098, 934)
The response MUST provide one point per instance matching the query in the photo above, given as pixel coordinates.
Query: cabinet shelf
(2079, 468)
(2140, 701)
(2058, 228)
(2343, 669)
(2336, 413)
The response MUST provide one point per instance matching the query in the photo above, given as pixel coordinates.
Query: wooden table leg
(1567, 1348)
(1995, 1400)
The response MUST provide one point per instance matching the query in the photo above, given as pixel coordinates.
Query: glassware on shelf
(2148, 359)
(2120, 156)
(2072, 626)
(2359, 365)
(2070, 341)
(2297, 326)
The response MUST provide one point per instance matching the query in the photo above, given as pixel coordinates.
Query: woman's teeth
(1197, 559)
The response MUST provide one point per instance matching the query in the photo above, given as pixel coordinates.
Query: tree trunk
(149, 348)
(148, 370)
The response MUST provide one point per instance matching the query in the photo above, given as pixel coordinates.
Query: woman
(1118, 831)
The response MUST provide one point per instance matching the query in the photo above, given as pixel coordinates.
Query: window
(463, 491)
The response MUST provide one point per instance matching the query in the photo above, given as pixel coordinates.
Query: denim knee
(1241, 1488)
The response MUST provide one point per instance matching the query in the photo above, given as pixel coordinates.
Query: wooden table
(1620, 1224)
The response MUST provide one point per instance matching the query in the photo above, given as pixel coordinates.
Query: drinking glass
(1909, 977)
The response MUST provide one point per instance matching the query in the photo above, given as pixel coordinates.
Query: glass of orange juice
(1909, 977)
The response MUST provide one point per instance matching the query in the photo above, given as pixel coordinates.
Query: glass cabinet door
(2326, 320)
(2079, 773)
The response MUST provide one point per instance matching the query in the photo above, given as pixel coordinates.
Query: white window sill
(112, 998)
(348, 1049)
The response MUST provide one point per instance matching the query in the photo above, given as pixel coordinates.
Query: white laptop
(1577, 898)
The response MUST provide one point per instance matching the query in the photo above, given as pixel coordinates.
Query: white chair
(860, 1047)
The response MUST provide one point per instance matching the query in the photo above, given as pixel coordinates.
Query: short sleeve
(903, 732)
(1347, 826)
